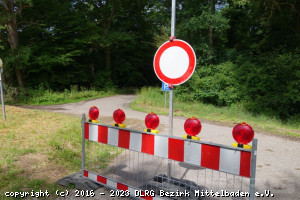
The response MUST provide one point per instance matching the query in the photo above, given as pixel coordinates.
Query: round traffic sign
(174, 62)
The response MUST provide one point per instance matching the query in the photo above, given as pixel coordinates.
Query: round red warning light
(243, 133)
(119, 116)
(151, 121)
(192, 126)
(94, 113)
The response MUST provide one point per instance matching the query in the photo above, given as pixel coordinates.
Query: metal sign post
(253, 168)
(174, 63)
(1, 89)
(165, 88)
(172, 89)
(83, 145)
(165, 99)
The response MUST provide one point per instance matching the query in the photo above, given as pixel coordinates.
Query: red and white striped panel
(117, 186)
(229, 160)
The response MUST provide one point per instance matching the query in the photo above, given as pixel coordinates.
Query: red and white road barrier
(134, 192)
(212, 156)
(230, 160)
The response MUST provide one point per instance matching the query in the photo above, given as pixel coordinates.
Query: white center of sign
(174, 62)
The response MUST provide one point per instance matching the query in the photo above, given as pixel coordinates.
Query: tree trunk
(107, 15)
(210, 38)
(13, 38)
(298, 19)
(107, 58)
(92, 68)
(19, 73)
(210, 34)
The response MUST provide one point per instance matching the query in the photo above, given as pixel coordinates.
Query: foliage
(42, 96)
(65, 43)
(247, 51)
(195, 20)
(270, 83)
(214, 84)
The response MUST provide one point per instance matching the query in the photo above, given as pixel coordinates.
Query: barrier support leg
(253, 169)
(83, 144)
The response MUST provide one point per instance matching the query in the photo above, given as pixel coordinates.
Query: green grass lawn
(152, 100)
(38, 148)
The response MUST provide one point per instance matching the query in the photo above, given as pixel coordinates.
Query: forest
(247, 50)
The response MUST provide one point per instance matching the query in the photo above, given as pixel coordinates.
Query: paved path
(278, 161)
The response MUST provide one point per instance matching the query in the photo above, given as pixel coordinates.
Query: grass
(152, 100)
(37, 149)
(49, 97)
(16, 96)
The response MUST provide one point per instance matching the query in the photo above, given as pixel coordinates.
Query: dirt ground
(278, 160)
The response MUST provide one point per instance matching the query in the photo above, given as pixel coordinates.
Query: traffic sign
(165, 87)
(174, 62)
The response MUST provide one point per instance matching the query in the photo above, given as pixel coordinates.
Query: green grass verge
(50, 97)
(15, 96)
(38, 148)
(152, 100)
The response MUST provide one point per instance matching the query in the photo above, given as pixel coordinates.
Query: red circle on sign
(191, 62)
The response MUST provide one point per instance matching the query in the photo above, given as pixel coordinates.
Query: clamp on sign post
(172, 38)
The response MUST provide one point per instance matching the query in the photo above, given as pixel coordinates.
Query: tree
(85, 42)
(11, 10)
(205, 27)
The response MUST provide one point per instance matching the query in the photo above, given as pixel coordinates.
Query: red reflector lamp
(94, 114)
(192, 127)
(242, 134)
(151, 122)
(119, 117)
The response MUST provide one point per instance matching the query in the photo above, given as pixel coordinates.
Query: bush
(13, 95)
(103, 80)
(214, 84)
(265, 84)
(269, 83)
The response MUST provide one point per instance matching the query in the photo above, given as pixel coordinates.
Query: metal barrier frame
(108, 182)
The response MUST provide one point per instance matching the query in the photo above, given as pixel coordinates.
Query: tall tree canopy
(247, 51)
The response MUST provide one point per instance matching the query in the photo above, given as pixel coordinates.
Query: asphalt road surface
(278, 158)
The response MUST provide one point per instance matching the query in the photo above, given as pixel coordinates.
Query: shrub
(214, 84)
(269, 83)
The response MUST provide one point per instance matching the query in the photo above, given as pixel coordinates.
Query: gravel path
(278, 159)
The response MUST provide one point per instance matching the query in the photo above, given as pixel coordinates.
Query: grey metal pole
(2, 99)
(173, 18)
(171, 92)
(165, 99)
(170, 126)
(171, 112)
(83, 145)
(253, 168)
